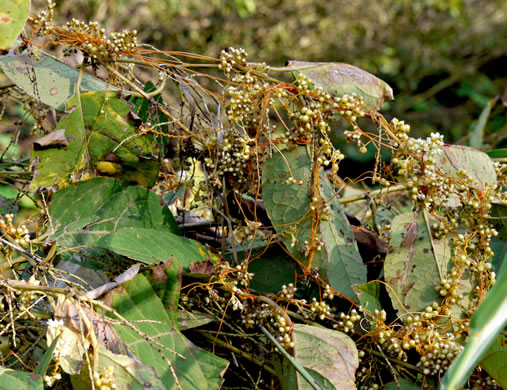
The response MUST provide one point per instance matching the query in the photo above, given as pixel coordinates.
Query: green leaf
(328, 355)
(477, 134)
(475, 163)
(55, 80)
(153, 246)
(46, 358)
(189, 319)
(416, 264)
(498, 153)
(86, 211)
(339, 79)
(195, 368)
(285, 371)
(11, 379)
(486, 324)
(499, 247)
(165, 279)
(369, 296)
(495, 360)
(13, 15)
(101, 139)
(338, 261)
(498, 218)
(271, 272)
(128, 373)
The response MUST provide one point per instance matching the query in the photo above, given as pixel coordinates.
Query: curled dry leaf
(370, 239)
(202, 267)
(74, 335)
(55, 138)
(120, 279)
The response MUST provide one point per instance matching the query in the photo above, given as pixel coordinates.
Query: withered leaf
(370, 239)
(202, 267)
(55, 138)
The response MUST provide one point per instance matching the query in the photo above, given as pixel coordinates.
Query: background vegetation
(444, 59)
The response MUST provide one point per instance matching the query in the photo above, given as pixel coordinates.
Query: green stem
(394, 360)
(311, 381)
(238, 351)
(355, 198)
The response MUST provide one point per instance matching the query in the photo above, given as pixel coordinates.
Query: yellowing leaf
(13, 15)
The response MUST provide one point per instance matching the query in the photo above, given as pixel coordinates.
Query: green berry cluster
(347, 322)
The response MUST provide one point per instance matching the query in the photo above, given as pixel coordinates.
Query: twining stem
(149, 98)
(365, 195)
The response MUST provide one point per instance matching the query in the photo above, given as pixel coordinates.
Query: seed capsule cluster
(231, 58)
(287, 291)
(43, 22)
(232, 159)
(439, 352)
(104, 380)
(284, 331)
(88, 37)
(20, 234)
(250, 232)
(98, 45)
(347, 322)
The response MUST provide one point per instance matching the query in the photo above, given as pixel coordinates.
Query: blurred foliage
(444, 59)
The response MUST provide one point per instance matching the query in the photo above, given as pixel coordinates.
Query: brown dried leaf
(158, 272)
(55, 138)
(370, 239)
(202, 267)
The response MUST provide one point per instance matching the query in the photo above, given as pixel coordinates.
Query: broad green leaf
(128, 373)
(13, 15)
(11, 379)
(340, 79)
(54, 79)
(328, 355)
(369, 296)
(101, 140)
(338, 261)
(153, 246)
(271, 272)
(165, 279)
(195, 368)
(84, 212)
(495, 360)
(416, 264)
(487, 322)
(477, 164)
(189, 319)
(477, 133)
